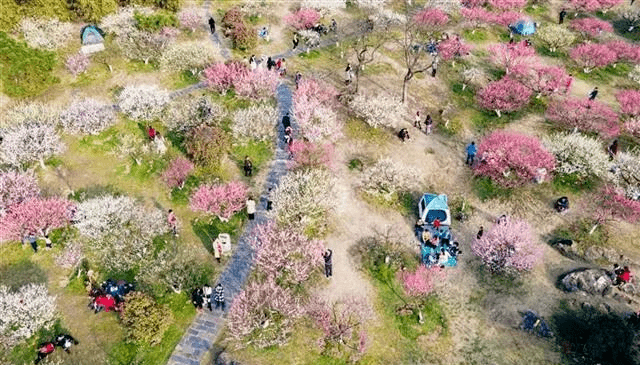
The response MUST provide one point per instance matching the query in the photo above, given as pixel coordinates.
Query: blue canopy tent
(523, 27)
(432, 207)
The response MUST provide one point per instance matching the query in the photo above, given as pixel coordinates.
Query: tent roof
(436, 202)
(524, 26)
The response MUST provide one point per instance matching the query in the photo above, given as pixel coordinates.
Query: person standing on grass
(248, 166)
(252, 62)
(33, 241)
(296, 41)
(348, 74)
(480, 233)
(212, 25)
(173, 222)
(47, 242)
(218, 297)
(328, 263)
(563, 13)
(471, 153)
(428, 124)
(593, 93)
(251, 207)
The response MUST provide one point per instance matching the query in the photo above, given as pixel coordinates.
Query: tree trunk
(405, 85)
(498, 112)
(146, 61)
(593, 229)
(464, 86)
(357, 78)
(42, 163)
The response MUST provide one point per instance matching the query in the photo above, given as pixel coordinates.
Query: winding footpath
(200, 336)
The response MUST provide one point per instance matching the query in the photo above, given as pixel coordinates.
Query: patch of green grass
(94, 191)
(17, 274)
(476, 36)
(544, 51)
(572, 183)
(230, 101)
(378, 69)
(207, 229)
(488, 120)
(604, 74)
(259, 152)
(148, 168)
(181, 196)
(139, 66)
(487, 189)
(25, 352)
(578, 231)
(536, 10)
(105, 141)
(404, 203)
(355, 164)
(312, 54)
(357, 129)
(467, 93)
(184, 79)
(54, 162)
(621, 27)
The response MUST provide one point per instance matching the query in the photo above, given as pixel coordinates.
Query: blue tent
(91, 34)
(432, 207)
(523, 27)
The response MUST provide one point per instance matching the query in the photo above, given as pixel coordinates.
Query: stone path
(202, 333)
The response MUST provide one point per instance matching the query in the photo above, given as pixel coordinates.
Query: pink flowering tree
(222, 201)
(542, 79)
(612, 203)
(36, 216)
(589, 6)
(513, 159)
(302, 19)
(474, 3)
(629, 103)
(16, 187)
(592, 55)
(221, 76)
(343, 326)
(475, 17)
(421, 282)
(505, 95)
(430, 18)
(453, 48)
(625, 51)
(263, 314)
(508, 247)
(259, 84)
(591, 26)
(77, 64)
(506, 18)
(585, 115)
(176, 174)
(508, 56)
(309, 155)
(632, 126)
(286, 256)
(507, 4)
(191, 18)
(313, 103)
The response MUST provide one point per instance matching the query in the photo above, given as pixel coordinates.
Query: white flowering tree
(322, 125)
(49, 34)
(578, 154)
(635, 74)
(192, 18)
(87, 116)
(143, 46)
(388, 178)
(29, 142)
(24, 312)
(327, 5)
(626, 174)
(16, 187)
(257, 122)
(143, 102)
(555, 37)
(37, 113)
(379, 111)
(304, 198)
(190, 56)
(474, 77)
(122, 22)
(190, 111)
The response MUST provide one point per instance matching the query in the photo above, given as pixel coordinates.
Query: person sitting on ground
(502, 219)
(624, 276)
(44, 349)
(426, 236)
(436, 223)
(561, 205)
(454, 249)
(444, 257)
(104, 302)
(65, 341)
(197, 298)
(151, 132)
(404, 135)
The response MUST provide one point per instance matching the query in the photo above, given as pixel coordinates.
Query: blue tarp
(429, 252)
(523, 27)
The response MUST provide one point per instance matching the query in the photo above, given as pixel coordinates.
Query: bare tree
(373, 34)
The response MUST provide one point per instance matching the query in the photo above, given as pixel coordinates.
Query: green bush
(145, 320)
(24, 71)
(205, 145)
(93, 10)
(486, 189)
(156, 21)
(244, 38)
(11, 11)
(573, 183)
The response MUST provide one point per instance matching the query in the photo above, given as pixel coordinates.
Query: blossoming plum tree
(555, 37)
(176, 174)
(143, 102)
(585, 115)
(87, 116)
(505, 95)
(258, 122)
(191, 18)
(302, 19)
(379, 111)
(16, 187)
(542, 79)
(309, 155)
(77, 64)
(512, 159)
(222, 201)
(508, 56)
(186, 56)
(579, 155)
(29, 142)
(592, 55)
(591, 26)
(35, 216)
(25, 312)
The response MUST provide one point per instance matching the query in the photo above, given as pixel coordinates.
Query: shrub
(94, 10)
(591, 55)
(578, 154)
(508, 247)
(177, 172)
(304, 198)
(192, 18)
(222, 201)
(29, 142)
(591, 26)
(379, 111)
(16, 187)
(309, 155)
(142, 46)
(387, 177)
(142, 103)
(343, 326)
(186, 56)
(145, 320)
(555, 37)
(87, 116)
(49, 34)
(286, 256)
(26, 113)
(77, 64)
(191, 111)
(25, 312)
(257, 122)
(302, 19)
(231, 17)
(505, 95)
(25, 71)
(36, 215)
(205, 145)
(244, 37)
(512, 159)
(263, 315)
(584, 115)
(155, 22)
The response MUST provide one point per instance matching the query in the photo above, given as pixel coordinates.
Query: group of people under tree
(437, 244)
(205, 296)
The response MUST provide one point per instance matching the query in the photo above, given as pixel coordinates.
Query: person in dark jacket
(328, 263)
(197, 298)
(593, 93)
(613, 149)
(248, 166)
(295, 41)
(65, 341)
(563, 13)
(218, 296)
(480, 233)
(212, 25)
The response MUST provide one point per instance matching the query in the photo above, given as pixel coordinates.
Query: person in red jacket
(44, 350)
(151, 132)
(624, 276)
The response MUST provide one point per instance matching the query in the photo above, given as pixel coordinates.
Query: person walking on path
(348, 74)
(173, 222)
(428, 124)
(251, 207)
(218, 297)
(613, 149)
(217, 249)
(434, 66)
(416, 122)
(563, 13)
(568, 85)
(197, 298)
(297, 79)
(480, 233)
(248, 166)
(296, 41)
(328, 263)
(212, 25)
(471, 153)
(593, 93)
(207, 291)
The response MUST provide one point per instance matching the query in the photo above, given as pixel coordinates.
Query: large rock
(590, 281)
(224, 359)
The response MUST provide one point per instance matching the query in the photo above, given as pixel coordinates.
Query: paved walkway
(202, 333)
